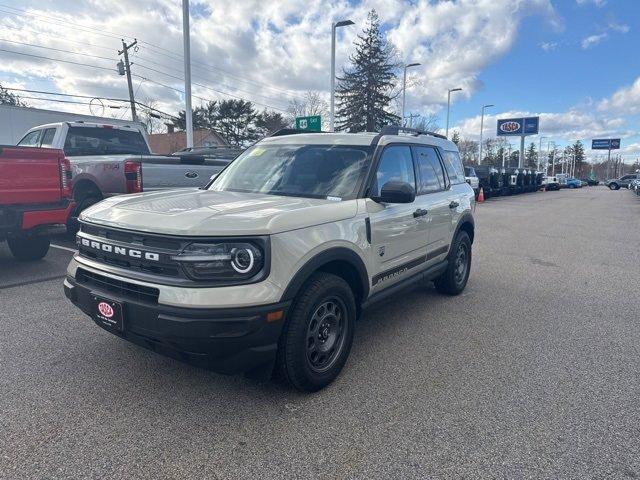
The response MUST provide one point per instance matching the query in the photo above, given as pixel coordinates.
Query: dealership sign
(605, 144)
(518, 126)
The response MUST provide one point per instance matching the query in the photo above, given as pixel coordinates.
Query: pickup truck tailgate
(160, 173)
(29, 175)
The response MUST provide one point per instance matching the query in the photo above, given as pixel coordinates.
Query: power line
(63, 22)
(57, 60)
(55, 49)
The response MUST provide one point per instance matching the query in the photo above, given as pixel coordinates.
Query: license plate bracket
(108, 313)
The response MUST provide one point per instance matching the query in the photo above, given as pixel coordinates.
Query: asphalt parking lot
(533, 372)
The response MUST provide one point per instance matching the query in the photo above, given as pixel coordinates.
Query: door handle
(421, 212)
(454, 204)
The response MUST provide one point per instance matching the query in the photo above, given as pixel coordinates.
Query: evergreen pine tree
(456, 137)
(531, 156)
(364, 92)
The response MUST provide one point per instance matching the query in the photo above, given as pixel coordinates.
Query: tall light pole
(404, 87)
(334, 26)
(187, 72)
(540, 151)
(449, 106)
(481, 129)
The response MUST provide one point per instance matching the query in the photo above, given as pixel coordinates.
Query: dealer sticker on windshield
(335, 199)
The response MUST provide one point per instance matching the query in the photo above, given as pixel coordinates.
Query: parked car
(472, 179)
(35, 193)
(489, 179)
(591, 181)
(550, 183)
(571, 182)
(269, 267)
(635, 186)
(624, 181)
(109, 160)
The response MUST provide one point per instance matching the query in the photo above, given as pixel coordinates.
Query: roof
(364, 139)
(86, 124)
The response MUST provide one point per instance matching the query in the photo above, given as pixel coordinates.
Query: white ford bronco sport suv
(266, 269)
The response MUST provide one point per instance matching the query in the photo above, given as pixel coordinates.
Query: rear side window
(454, 167)
(47, 137)
(31, 139)
(431, 175)
(395, 164)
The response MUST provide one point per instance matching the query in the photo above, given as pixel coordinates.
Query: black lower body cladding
(228, 341)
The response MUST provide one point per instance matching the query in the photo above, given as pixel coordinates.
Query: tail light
(66, 185)
(133, 175)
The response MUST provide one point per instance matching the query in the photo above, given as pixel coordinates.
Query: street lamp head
(343, 23)
(412, 65)
(455, 89)
(487, 106)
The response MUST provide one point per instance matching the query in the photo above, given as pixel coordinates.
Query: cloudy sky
(573, 62)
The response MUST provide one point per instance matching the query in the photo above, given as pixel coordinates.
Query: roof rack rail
(290, 131)
(396, 129)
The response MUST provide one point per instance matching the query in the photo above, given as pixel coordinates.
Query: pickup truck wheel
(72, 223)
(317, 337)
(29, 248)
(454, 279)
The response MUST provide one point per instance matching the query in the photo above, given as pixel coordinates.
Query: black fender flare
(327, 256)
(466, 217)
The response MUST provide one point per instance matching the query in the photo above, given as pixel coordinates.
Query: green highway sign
(312, 124)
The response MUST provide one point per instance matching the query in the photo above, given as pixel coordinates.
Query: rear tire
(454, 279)
(614, 186)
(72, 223)
(316, 340)
(28, 249)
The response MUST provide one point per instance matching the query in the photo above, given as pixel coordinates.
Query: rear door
(435, 197)
(398, 235)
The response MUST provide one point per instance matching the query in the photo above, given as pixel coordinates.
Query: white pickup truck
(109, 160)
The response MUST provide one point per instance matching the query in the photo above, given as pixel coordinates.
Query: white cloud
(625, 101)
(619, 27)
(597, 3)
(571, 125)
(268, 52)
(593, 40)
(548, 46)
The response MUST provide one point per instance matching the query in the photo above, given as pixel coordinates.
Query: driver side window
(395, 164)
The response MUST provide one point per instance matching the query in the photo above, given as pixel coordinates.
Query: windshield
(104, 141)
(316, 171)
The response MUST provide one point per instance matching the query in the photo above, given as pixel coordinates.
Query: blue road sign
(518, 126)
(605, 144)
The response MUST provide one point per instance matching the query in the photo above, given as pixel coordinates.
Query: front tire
(27, 249)
(454, 279)
(316, 340)
(614, 186)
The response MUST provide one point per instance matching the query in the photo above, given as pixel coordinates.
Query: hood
(210, 213)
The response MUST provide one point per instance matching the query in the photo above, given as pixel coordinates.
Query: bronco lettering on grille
(123, 251)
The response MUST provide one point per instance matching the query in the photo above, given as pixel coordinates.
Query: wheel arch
(466, 224)
(84, 188)
(339, 261)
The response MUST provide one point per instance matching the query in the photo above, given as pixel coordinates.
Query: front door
(398, 231)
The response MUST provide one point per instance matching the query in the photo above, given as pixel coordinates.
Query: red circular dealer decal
(105, 309)
(509, 127)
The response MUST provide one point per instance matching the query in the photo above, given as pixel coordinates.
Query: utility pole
(186, 43)
(126, 69)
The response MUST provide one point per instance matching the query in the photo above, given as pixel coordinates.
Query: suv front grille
(117, 242)
(121, 289)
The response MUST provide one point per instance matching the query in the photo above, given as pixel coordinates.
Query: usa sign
(518, 126)
(605, 144)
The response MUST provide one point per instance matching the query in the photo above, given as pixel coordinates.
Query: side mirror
(396, 192)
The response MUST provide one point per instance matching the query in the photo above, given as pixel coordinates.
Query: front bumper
(228, 340)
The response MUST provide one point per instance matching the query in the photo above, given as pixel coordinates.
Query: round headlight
(242, 260)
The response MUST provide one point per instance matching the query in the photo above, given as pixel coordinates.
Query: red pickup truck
(35, 192)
